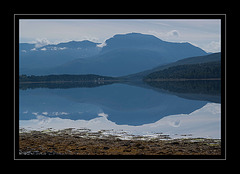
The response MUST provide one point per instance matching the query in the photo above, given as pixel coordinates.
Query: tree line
(63, 77)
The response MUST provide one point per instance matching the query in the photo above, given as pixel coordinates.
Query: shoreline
(64, 142)
(116, 80)
(163, 80)
(62, 81)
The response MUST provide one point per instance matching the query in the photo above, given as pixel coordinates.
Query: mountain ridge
(123, 54)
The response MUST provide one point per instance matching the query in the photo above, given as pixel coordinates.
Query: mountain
(132, 40)
(25, 47)
(170, 50)
(214, 57)
(32, 58)
(122, 54)
(113, 63)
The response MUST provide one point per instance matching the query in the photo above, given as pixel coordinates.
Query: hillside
(188, 71)
(187, 61)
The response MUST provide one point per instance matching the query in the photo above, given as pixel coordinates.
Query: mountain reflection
(209, 90)
(206, 90)
(64, 85)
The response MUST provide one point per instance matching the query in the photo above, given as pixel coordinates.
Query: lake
(177, 109)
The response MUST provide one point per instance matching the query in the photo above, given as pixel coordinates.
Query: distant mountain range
(123, 54)
(32, 58)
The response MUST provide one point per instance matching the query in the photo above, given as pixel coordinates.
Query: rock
(106, 148)
(175, 143)
(126, 144)
(141, 147)
(127, 150)
(138, 144)
(36, 153)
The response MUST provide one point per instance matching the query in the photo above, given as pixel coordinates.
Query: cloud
(25, 112)
(103, 114)
(44, 49)
(59, 113)
(90, 38)
(157, 34)
(102, 45)
(34, 49)
(41, 42)
(165, 35)
(213, 46)
(173, 33)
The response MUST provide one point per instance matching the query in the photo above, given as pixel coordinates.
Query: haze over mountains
(123, 54)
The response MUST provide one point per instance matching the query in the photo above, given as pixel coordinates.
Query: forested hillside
(188, 71)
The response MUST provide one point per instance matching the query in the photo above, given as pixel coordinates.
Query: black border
(17, 17)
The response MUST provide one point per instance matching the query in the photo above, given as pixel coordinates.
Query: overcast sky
(204, 33)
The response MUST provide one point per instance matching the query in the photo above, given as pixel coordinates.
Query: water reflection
(204, 123)
(134, 106)
(209, 90)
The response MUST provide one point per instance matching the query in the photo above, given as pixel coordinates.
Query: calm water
(176, 109)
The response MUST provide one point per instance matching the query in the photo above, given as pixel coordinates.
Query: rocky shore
(67, 142)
